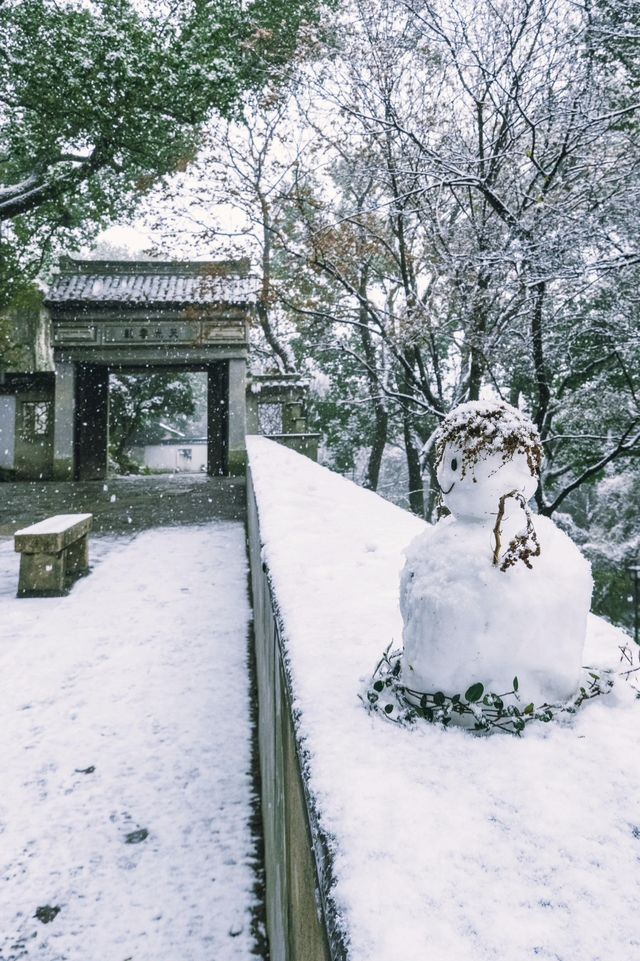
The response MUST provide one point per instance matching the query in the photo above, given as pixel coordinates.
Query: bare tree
(449, 201)
(507, 164)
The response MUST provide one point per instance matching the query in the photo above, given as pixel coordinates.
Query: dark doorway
(91, 421)
(218, 417)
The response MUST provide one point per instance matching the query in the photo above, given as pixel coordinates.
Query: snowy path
(125, 792)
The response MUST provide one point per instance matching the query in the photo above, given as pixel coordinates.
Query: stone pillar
(237, 416)
(7, 432)
(64, 421)
(253, 424)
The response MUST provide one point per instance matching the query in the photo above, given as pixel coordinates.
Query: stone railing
(301, 921)
(306, 444)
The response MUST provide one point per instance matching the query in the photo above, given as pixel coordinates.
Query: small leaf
(455, 699)
(474, 693)
(528, 709)
(438, 699)
(515, 684)
(388, 708)
(423, 701)
(378, 686)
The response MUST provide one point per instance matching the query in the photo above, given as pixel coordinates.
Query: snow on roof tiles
(175, 284)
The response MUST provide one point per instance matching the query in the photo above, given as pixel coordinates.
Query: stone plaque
(224, 333)
(161, 332)
(74, 335)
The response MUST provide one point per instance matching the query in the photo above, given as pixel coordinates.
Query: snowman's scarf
(524, 545)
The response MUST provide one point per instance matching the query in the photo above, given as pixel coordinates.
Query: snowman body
(466, 620)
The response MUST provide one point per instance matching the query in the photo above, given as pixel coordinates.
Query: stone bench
(53, 553)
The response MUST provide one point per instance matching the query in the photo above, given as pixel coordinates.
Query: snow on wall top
(445, 845)
(277, 382)
(152, 282)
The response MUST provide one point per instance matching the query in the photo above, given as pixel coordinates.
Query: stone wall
(306, 444)
(300, 925)
(25, 336)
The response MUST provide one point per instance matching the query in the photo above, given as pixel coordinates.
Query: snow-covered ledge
(425, 843)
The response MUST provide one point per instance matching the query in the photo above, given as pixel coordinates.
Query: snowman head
(483, 451)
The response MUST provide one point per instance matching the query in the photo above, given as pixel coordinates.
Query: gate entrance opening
(94, 426)
(158, 422)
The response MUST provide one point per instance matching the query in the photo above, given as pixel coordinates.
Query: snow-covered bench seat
(389, 844)
(52, 553)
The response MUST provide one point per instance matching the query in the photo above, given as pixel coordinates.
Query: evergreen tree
(98, 101)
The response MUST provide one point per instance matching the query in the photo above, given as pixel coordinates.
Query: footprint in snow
(47, 913)
(136, 837)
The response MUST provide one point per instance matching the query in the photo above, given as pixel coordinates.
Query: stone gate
(138, 317)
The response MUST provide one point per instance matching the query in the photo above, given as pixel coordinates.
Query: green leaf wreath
(479, 710)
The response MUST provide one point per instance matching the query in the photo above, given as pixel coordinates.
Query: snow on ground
(445, 845)
(125, 755)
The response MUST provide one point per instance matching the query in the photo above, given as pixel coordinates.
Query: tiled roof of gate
(152, 282)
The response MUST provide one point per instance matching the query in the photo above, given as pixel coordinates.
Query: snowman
(491, 592)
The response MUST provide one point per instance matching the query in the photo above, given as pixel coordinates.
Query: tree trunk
(543, 390)
(380, 413)
(378, 442)
(433, 498)
(264, 301)
(416, 490)
(478, 332)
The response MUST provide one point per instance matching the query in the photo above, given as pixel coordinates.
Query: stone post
(7, 432)
(64, 416)
(237, 416)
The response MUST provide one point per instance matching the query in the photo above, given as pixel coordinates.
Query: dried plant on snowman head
(479, 429)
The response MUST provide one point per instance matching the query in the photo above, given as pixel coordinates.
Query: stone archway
(143, 316)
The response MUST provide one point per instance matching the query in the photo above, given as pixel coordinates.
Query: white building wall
(173, 457)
